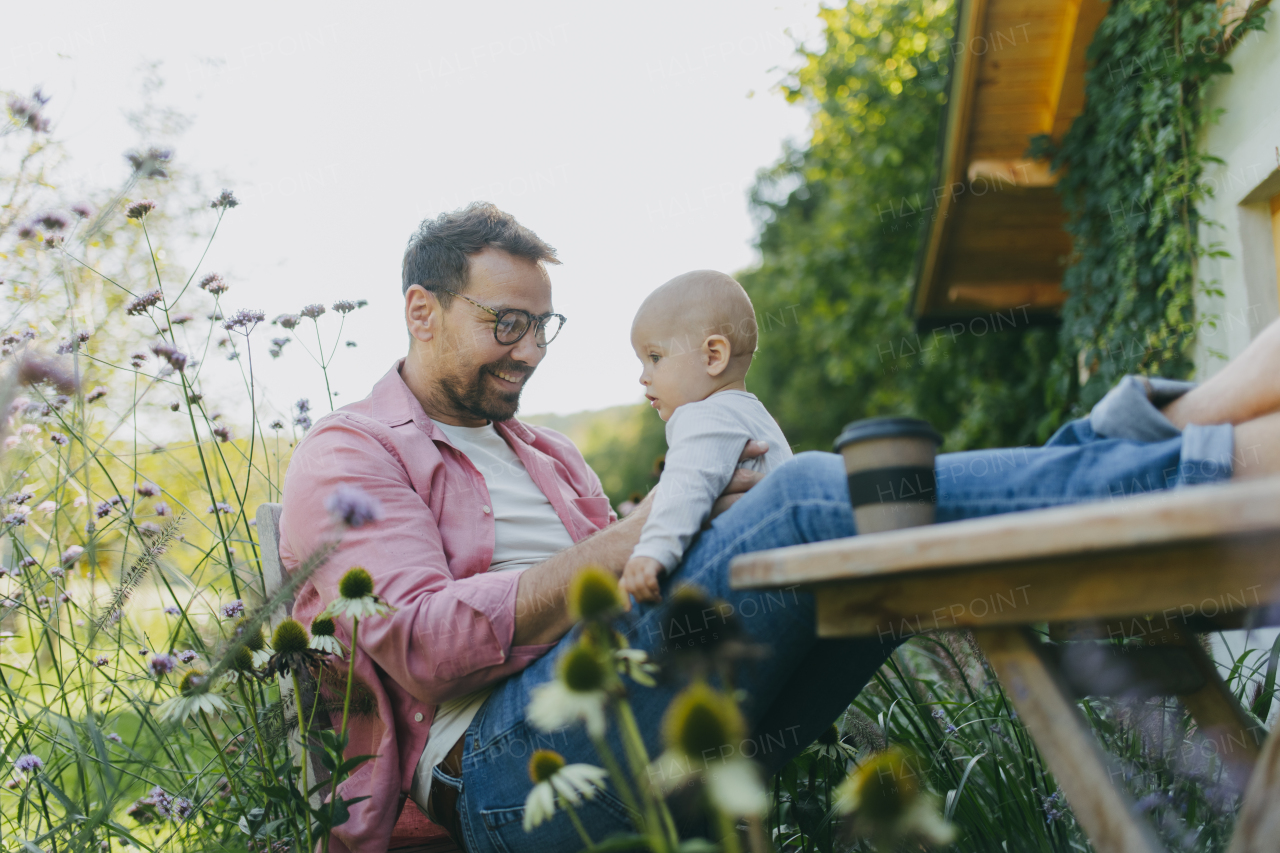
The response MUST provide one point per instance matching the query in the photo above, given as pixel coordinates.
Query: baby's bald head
(693, 306)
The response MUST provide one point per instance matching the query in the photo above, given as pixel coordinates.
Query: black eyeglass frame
(532, 321)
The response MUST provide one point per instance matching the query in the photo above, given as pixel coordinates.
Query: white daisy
(635, 664)
(556, 783)
(357, 608)
(191, 701)
(577, 694)
(328, 644)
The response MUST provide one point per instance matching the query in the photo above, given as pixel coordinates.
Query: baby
(695, 336)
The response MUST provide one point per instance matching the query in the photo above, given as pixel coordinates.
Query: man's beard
(476, 395)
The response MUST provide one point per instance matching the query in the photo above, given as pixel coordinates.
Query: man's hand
(640, 578)
(743, 480)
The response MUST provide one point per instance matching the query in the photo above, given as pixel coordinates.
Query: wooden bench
(1159, 567)
(413, 832)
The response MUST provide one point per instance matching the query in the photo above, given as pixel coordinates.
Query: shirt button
(485, 510)
(417, 718)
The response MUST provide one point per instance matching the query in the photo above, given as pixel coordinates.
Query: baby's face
(673, 370)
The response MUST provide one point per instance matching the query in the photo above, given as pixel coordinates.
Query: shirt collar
(392, 403)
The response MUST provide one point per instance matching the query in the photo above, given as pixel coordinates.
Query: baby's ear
(716, 351)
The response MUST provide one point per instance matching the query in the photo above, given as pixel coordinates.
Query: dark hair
(437, 251)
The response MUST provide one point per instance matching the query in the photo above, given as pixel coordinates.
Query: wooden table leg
(1066, 742)
(1258, 823)
(1236, 736)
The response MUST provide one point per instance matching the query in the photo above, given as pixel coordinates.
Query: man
(485, 521)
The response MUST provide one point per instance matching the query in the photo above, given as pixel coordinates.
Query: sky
(627, 136)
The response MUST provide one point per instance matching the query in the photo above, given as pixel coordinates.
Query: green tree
(842, 219)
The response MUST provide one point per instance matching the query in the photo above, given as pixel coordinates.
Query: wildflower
(101, 661)
(143, 303)
(225, 200)
(192, 700)
(26, 111)
(103, 509)
(115, 738)
(593, 594)
(15, 519)
(28, 763)
(173, 611)
(175, 406)
(162, 664)
(64, 597)
(182, 808)
(214, 284)
(353, 507)
(36, 371)
(578, 694)
(53, 220)
(344, 306)
(162, 509)
(150, 163)
(146, 490)
(635, 664)
(276, 424)
(244, 320)
(220, 506)
(254, 642)
(194, 399)
(351, 344)
(312, 311)
(187, 655)
(82, 210)
(176, 359)
(59, 439)
(356, 598)
(233, 610)
(139, 209)
(21, 496)
(277, 346)
(222, 432)
(13, 784)
(303, 422)
(323, 629)
(26, 231)
(886, 799)
(57, 572)
(555, 782)
(303, 406)
(293, 651)
(287, 321)
(43, 602)
(360, 303)
(702, 730)
(156, 804)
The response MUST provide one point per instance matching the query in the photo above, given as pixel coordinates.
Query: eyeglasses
(510, 324)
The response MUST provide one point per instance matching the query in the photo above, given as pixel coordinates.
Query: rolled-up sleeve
(446, 637)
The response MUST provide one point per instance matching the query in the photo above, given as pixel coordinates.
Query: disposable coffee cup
(889, 462)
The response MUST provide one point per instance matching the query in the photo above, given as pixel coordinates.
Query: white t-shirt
(526, 531)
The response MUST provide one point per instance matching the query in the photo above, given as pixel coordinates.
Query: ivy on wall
(1130, 176)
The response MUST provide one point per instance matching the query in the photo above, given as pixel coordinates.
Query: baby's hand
(640, 578)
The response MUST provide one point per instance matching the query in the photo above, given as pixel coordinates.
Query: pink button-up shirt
(429, 556)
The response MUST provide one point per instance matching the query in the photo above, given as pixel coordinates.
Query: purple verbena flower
(277, 346)
(101, 661)
(15, 519)
(150, 163)
(276, 424)
(82, 210)
(220, 506)
(244, 320)
(353, 506)
(162, 664)
(28, 562)
(287, 321)
(303, 406)
(71, 555)
(344, 306)
(173, 611)
(143, 303)
(57, 572)
(161, 508)
(177, 359)
(181, 808)
(102, 509)
(147, 490)
(222, 432)
(96, 394)
(233, 610)
(59, 439)
(303, 422)
(26, 111)
(312, 311)
(187, 655)
(53, 220)
(115, 738)
(352, 344)
(139, 209)
(225, 200)
(214, 284)
(27, 763)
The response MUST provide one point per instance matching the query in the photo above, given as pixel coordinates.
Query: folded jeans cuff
(1207, 454)
(1131, 410)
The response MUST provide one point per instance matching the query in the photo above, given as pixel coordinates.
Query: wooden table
(1159, 567)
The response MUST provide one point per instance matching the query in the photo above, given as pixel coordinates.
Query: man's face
(476, 375)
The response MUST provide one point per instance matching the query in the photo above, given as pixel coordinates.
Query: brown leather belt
(442, 802)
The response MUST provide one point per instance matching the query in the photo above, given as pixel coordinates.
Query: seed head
(356, 583)
(143, 303)
(582, 670)
(312, 311)
(544, 764)
(701, 720)
(225, 200)
(593, 594)
(287, 321)
(323, 626)
(290, 637)
(213, 283)
(344, 306)
(254, 640)
(194, 680)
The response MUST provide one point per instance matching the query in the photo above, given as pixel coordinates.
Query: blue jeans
(804, 683)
